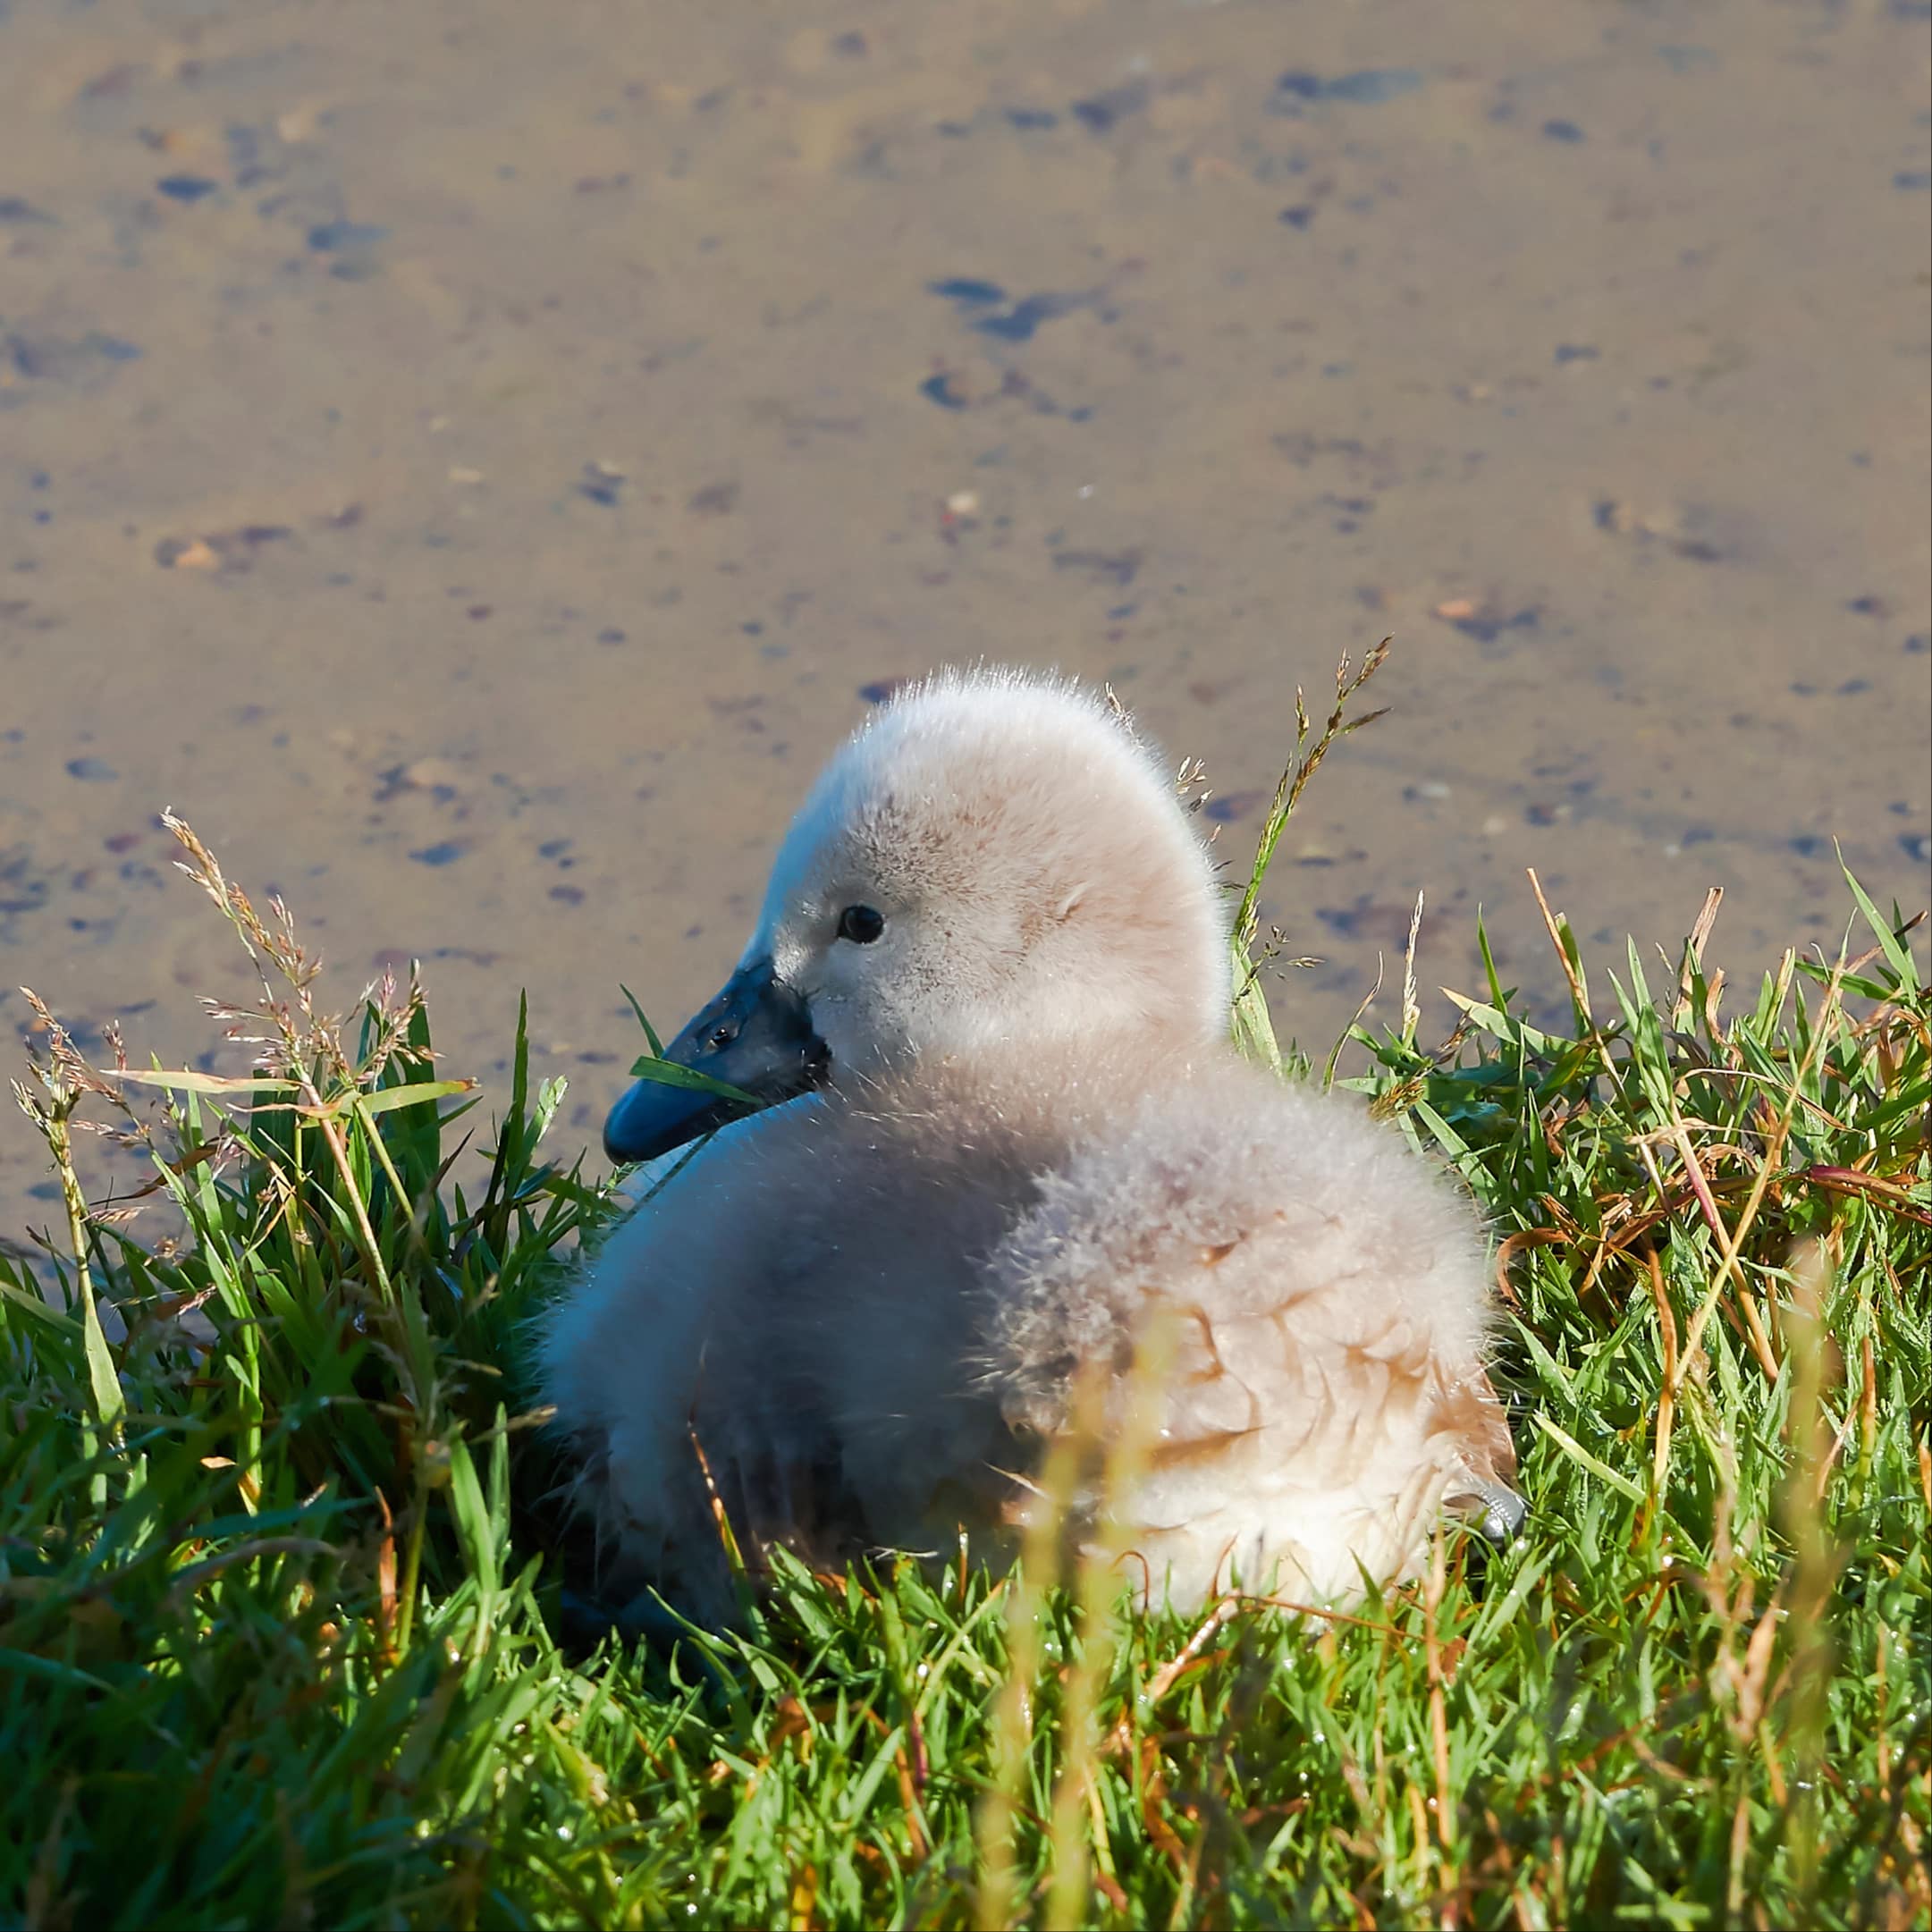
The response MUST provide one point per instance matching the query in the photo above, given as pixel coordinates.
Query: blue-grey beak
(754, 1039)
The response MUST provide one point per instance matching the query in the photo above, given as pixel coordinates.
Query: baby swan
(986, 1008)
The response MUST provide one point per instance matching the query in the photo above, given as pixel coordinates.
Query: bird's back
(871, 1310)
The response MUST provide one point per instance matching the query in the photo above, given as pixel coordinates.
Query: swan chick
(986, 1133)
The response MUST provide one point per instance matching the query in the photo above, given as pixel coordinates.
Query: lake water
(476, 460)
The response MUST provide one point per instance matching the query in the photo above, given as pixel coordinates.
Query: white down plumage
(987, 1001)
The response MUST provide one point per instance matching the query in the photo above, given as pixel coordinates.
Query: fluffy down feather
(868, 1305)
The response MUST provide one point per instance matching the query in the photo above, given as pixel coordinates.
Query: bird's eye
(861, 924)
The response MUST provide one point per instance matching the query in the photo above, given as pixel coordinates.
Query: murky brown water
(472, 459)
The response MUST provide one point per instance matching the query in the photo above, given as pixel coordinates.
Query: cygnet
(988, 1135)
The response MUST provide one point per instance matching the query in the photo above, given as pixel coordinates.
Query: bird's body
(856, 1318)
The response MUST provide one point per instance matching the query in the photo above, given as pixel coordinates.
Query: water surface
(475, 461)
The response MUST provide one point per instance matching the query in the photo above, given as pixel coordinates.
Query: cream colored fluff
(867, 1305)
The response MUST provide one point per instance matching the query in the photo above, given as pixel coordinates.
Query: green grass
(290, 1632)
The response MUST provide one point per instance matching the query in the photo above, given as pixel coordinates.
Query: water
(472, 461)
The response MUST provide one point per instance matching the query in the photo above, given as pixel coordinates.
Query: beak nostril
(757, 1033)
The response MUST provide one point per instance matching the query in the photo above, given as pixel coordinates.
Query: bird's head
(993, 857)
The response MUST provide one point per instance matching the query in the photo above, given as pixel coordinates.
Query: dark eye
(861, 924)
